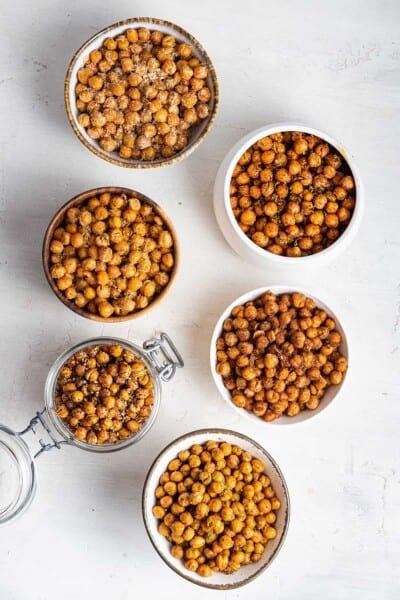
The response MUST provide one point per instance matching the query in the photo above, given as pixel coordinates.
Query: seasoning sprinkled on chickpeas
(292, 194)
(278, 355)
(112, 255)
(141, 93)
(104, 394)
(221, 514)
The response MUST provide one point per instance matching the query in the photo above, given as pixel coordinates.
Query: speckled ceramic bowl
(197, 133)
(217, 581)
(331, 393)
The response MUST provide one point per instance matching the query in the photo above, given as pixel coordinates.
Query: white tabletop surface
(332, 65)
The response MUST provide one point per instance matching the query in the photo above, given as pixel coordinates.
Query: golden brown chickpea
(331, 220)
(80, 433)
(58, 271)
(300, 146)
(56, 247)
(248, 217)
(271, 361)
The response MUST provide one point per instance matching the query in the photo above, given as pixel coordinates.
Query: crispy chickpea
(80, 433)
(165, 239)
(300, 146)
(248, 217)
(105, 309)
(56, 247)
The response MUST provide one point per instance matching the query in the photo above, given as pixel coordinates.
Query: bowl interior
(197, 133)
(331, 392)
(77, 201)
(246, 142)
(246, 573)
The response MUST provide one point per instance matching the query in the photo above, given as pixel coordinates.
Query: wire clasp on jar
(164, 355)
(40, 419)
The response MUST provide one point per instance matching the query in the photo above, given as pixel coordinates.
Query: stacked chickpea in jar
(279, 354)
(216, 506)
(104, 394)
(112, 255)
(141, 93)
(292, 194)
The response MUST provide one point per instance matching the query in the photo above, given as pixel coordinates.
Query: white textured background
(332, 65)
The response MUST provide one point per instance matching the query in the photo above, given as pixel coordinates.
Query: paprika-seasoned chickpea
(291, 358)
(291, 196)
(139, 92)
(83, 403)
(112, 254)
(218, 533)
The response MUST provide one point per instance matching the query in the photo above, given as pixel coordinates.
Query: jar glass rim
(18, 470)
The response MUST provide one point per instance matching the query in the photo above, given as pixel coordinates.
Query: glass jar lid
(18, 475)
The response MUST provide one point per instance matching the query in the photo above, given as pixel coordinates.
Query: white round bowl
(239, 241)
(197, 133)
(331, 393)
(246, 573)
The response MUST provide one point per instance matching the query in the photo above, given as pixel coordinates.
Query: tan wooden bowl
(197, 133)
(77, 201)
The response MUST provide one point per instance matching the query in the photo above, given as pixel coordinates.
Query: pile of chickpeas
(141, 93)
(112, 255)
(104, 394)
(216, 506)
(292, 194)
(279, 354)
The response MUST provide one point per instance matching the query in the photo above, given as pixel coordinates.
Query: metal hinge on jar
(40, 419)
(164, 355)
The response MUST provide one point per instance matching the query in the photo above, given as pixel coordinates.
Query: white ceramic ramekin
(239, 241)
(331, 393)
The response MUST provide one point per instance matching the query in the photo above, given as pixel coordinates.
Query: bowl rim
(145, 499)
(277, 289)
(97, 150)
(248, 140)
(78, 199)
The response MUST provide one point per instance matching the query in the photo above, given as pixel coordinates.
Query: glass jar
(18, 471)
